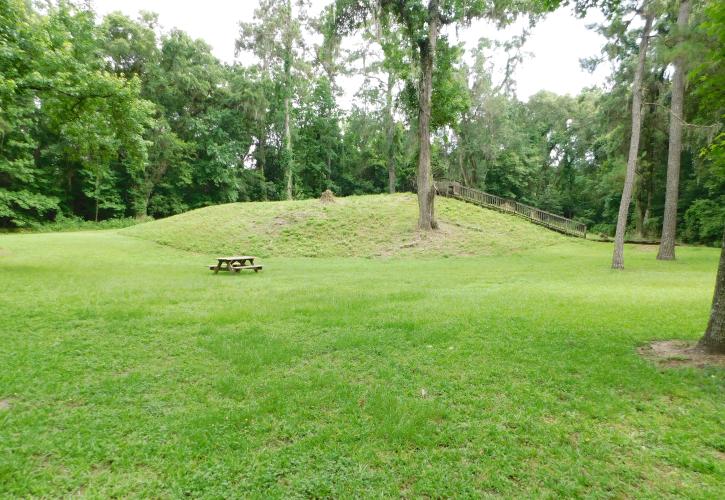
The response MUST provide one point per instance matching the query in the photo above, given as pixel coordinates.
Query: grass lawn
(127, 369)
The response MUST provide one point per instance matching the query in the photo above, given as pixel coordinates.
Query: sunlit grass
(130, 370)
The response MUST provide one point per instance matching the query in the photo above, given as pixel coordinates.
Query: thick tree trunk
(669, 223)
(714, 338)
(426, 193)
(390, 133)
(618, 256)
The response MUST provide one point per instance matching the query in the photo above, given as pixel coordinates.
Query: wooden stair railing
(552, 221)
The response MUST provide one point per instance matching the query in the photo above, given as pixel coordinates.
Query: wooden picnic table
(235, 264)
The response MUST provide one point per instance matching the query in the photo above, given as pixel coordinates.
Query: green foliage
(67, 224)
(318, 140)
(113, 117)
(59, 104)
(708, 46)
(21, 208)
(704, 221)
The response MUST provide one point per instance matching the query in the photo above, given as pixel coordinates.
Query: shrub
(704, 221)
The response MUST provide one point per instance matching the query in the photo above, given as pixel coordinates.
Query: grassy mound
(356, 226)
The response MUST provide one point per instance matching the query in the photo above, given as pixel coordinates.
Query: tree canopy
(115, 117)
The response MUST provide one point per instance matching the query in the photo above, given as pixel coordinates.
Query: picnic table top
(237, 257)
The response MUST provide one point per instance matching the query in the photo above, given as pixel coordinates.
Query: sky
(553, 49)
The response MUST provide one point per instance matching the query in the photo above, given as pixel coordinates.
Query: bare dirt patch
(648, 248)
(294, 218)
(676, 353)
(4, 404)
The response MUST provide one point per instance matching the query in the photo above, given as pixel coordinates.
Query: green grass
(356, 226)
(129, 370)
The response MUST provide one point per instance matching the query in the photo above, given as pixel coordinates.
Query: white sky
(554, 46)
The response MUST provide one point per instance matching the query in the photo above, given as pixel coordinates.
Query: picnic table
(235, 264)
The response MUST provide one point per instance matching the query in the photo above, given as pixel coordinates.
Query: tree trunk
(143, 211)
(669, 223)
(261, 163)
(474, 173)
(97, 192)
(714, 339)
(643, 202)
(426, 192)
(288, 147)
(288, 92)
(390, 133)
(639, 212)
(618, 256)
(151, 180)
(462, 166)
(648, 210)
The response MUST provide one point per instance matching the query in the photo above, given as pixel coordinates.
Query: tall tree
(421, 22)
(390, 42)
(275, 37)
(427, 48)
(618, 256)
(287, 64)
(390, 132)
(23, 49)
(669, 223)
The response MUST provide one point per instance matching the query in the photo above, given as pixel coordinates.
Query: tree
(714, 338)
(421, 22)
(489, 120)
(669, 224)
(120, 118)
(82, 119)
(21, 202)
(390, 42)
(318, 139)
(618, 256)
(275, 37)
(703, 191)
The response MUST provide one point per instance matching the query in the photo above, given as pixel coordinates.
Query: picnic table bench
(235, 264)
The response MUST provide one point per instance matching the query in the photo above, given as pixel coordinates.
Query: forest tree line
(114, 117)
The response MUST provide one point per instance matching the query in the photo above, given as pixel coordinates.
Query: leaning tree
(714, 339)
(618, 254)
(420, 24)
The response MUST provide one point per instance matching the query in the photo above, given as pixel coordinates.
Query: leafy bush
(22, 208)
(62, 224)
(603, 229)
(704, 221)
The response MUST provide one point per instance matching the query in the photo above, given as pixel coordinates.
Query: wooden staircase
(551, 221)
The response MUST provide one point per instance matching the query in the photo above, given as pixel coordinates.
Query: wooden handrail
(541, 217)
